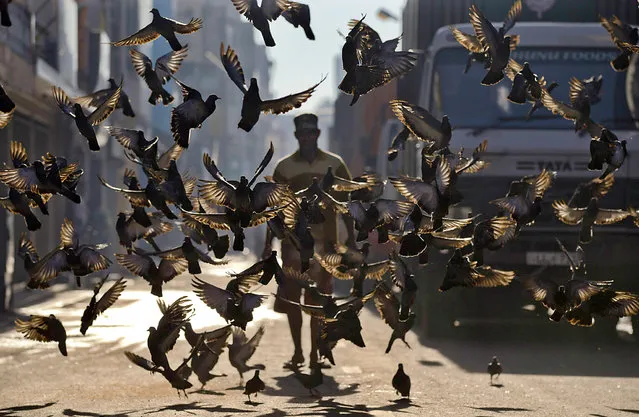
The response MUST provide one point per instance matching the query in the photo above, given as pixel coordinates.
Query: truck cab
(518, 146)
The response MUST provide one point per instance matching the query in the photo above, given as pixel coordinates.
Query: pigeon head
(155, 12)
(400, 366)
(121, 216)
(561, 289)
(112, 83)
(243, 181)
(150, 329)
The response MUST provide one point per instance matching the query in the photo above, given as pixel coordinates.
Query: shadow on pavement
(626, 410)
(195, 406)
(500, 410)
(19, 409)
(604, 360)
(330, 407)
(430, 363)
(289, 386)
(70, 412)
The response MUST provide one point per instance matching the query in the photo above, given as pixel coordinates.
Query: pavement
(448, 376)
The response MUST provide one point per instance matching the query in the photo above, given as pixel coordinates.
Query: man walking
(298, 170)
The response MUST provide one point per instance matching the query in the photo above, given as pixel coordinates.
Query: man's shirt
(298, 173)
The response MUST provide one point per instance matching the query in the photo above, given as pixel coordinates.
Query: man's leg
(292, 292)
(324, 282)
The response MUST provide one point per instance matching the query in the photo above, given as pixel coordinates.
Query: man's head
(306, 130)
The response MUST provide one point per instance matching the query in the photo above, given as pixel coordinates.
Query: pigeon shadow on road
(20, 409)
(253, 403)
(71, 412)
(425, 362)
(625, 410)
(502, 409)
(330, 407)
(289, 386)
(496, 385)
(204, 391)
(195, 406)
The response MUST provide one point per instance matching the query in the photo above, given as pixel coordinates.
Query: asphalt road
(448, 377)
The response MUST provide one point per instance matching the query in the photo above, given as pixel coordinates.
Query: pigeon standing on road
(252, 104)
(494, 368)
(161, 26)
(254, 385)
(44, 329)
(401, 382)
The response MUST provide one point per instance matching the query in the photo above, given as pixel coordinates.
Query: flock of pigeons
(413, 226)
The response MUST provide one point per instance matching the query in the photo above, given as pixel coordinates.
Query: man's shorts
(292, 290)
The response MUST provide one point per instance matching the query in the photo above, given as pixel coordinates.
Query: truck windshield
(472, 105)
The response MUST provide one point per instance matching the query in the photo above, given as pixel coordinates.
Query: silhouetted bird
(192, 255)
(525, 84)
(588, 217)
(577, 264)
(252, 103)
(132, 140)
(208, 353)
(595, 188)
(7, 106)
(266, 269)
(477, 50)
(193, 111)
(606, 303)
(97, 98)
(243, 197)
(44, 329)
(388, 308)
(494, 42)
(401, 382)
(69, 255)
(462, 272)
(202, 233)
(313, 380)
(609, 150)
(161, 26)
(398, 143)
(5, 18)
(379, 215)
(254, 385)
(494, 368)
(369, 62)
(423, 125)
(523, 200)
(156, 78)
(260, 16)
(97, 307)
(561, 298)
(299, 14)
(129, 231)
(572, 111)
(18, 203)
(140, 263)
(85, 123)
(624, 37)
(234, 307)
(43, 178)
(242, 349)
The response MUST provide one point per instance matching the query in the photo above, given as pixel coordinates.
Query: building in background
(65, 43)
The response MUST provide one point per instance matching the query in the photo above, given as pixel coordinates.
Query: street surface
(448, 377)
